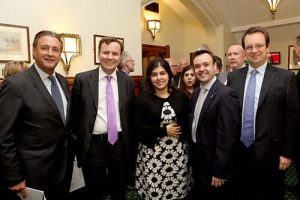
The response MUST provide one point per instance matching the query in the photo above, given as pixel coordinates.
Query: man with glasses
(270, 108)
(297, 154)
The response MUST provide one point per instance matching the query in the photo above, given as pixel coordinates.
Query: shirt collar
(42, 74)
(209, 84)
(102, 74)
(260, 70)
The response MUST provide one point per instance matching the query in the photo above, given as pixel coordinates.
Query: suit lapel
(65, 89)
(241, 83)
(209, 98)
(121, 89)
(40, 86)
(267, 81)
(94, 86)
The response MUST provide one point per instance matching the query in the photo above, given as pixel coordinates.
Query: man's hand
(284, 163)
(20, 188)
(216, 182)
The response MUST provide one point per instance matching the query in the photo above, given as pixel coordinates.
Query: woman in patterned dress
(161, 120)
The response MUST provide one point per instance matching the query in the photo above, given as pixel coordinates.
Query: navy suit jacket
(218, 130)
(277, 116)
(33, 137)
(85, 106)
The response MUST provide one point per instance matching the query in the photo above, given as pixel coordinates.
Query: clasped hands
(173, 130)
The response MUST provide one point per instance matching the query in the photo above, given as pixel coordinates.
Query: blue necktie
(247, 136)
(57, 97)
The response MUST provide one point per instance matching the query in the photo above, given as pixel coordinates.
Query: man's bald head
(235, 57)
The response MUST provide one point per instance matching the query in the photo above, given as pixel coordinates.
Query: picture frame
(97, 39)
(293, 59)
(275, 58)
(14, 43)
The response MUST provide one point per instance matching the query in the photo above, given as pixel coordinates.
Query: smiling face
(256, 49)
(204, 68)
(159, 79)
(109, 56)
(47, 53)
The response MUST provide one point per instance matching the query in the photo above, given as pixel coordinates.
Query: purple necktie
(111, 113)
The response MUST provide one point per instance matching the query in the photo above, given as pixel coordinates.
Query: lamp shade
(273, 6)
(71, 48)
(154, 26)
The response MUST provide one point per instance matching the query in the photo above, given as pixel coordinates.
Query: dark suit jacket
(277, 115)
(218, 130)
(33, 137)
(85, 105)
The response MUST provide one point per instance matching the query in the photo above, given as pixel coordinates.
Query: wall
(172, 32)
(85, 18)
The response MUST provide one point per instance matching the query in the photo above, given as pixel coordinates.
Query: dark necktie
(111, 113)
(247, 136)
(57, 97)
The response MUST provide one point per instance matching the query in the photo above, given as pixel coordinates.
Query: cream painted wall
(85, 18)
(182, 36)
(172, 32)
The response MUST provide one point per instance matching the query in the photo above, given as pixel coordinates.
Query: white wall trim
(280, 22)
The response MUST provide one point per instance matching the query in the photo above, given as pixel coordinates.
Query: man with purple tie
(100, 109)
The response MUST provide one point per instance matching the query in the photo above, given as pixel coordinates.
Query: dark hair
(46, 33)
(257, 29)
(219, 63)
(182, 83)
(108, 40)
(200, 52)
(158, 62)
(297, 38)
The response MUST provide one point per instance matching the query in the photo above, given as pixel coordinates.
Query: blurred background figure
(235, 60)
(183, 62)
(173, 65)
(188, 80)
(126, 64)
(203, 47)
(218, 65)
(13, 67)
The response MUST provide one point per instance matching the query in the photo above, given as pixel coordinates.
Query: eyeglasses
(257, 46)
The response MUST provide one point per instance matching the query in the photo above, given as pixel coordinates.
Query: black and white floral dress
(163, 171)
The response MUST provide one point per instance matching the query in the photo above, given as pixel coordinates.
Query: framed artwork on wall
(14, 43)
(275, 58)
(293, 59)
(97, 39)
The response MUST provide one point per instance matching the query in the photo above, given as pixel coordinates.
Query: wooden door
(151, 51)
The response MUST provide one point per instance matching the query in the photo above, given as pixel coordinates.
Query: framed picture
(14, 43)
(293, 59)
(97, 39)
(275, 58)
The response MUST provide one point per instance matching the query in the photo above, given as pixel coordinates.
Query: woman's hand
(173, 130)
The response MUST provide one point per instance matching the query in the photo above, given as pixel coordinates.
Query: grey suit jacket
(33, 137)
(85, 105)
(277, 116)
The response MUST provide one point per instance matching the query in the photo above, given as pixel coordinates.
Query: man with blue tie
(270, 103)
(34, 107)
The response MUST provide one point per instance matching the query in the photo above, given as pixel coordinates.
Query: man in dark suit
(268, 128)
(103, 161)
(33, 133)
(297, 146)
(215, 131)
